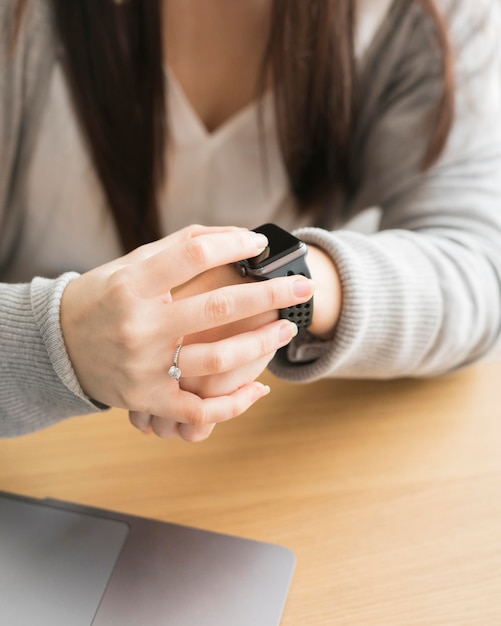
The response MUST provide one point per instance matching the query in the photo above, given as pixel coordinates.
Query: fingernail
(302, 288)
(287, 331)
(259, 239)
(261, 391)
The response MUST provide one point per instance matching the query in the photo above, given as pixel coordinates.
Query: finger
(195, 230)
(201, 359)
(236, 302)
(163, 427)
(227, 382)
(140, 420)
(144, 422)
(189, 232)
(182, 261)
(188, 408)
(195, 434)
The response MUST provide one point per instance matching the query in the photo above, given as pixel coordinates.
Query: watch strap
(300, 314)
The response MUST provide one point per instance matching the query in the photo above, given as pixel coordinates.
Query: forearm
(328, 292)
(413, 305)
(37, 383)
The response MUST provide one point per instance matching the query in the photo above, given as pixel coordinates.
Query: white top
(229, 176)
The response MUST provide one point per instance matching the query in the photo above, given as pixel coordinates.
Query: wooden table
(389, 493)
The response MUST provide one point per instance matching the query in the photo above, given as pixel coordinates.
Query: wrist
(328, 293)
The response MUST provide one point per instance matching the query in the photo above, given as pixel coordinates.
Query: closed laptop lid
(63, 564)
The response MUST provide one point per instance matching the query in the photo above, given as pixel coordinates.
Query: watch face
(280, 244)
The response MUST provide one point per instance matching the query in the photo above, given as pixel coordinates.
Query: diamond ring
(174, 371)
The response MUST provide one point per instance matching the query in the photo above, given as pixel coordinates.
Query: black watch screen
(280, 244)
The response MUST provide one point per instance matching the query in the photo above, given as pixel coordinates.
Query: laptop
(63, 564)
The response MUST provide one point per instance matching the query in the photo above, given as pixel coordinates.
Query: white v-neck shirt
(233, 175)
(226, 176)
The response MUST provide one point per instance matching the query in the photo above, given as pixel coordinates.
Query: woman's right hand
(121, 326)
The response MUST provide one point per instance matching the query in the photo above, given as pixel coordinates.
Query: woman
(288, 112)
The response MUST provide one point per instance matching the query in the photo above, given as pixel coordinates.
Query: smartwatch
(283, 256)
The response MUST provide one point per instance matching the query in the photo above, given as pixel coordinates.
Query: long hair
(112, 54)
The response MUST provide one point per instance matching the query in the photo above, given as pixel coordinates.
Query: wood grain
(389, 493)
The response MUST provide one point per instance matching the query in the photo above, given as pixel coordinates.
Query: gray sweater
(420, 297)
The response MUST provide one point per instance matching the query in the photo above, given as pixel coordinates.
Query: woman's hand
(244, 367)
(121, 326)
(325, 315)
(229, 379)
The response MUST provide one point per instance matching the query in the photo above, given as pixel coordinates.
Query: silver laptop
(68, 565)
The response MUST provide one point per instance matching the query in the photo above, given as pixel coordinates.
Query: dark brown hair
(112, 55)
(112, 52)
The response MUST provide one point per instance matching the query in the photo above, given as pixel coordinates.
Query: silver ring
(174, 371)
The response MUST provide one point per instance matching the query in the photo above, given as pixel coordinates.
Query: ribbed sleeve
(390, 315)
(38, 386)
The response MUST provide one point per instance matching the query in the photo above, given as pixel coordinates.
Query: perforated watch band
(300, 314)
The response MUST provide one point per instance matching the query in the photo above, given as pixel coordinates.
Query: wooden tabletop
(389, 493)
